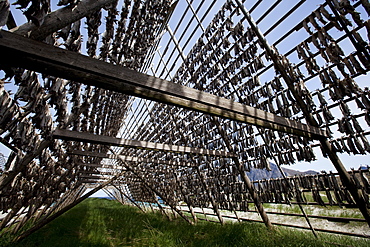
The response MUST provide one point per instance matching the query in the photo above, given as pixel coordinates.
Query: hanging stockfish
(358, 145)
(327, 114)
(367, 25)
(350, 9)
(366, 5)
(356, 125)
(348, 127)
(312, 20)
(73, 42)
(337, 190)
(29, 90)
(365, 100)
(317, 198)
(359, 39)
(367, 117)
(365, 142)
(344, 109)
(321, 99)
(356, 64)
(36, 12)
(336, 147)
(319, 16)
(344, 145)
(301, 52)
(351, 146)
(347, 62)
(64, 32)
(93, 22)
(305, 25)
(320, 122)
(359, 104)
(4, 12)
(351, 85)
(326, 14)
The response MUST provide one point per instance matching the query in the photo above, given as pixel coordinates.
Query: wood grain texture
(34, 55)
(113, 141)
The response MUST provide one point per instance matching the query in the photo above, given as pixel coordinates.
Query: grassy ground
(100, 222)
(334, 211)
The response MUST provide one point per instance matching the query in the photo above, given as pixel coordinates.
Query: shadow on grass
(64, 231)
(100, 222)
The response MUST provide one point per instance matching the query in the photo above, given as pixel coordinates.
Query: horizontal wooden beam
(99, 172)
(127, 159)
(91, 177)
(113, 141)
(23, 52)
(95, 165)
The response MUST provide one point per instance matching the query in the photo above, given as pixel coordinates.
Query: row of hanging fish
(36, 12)
(31, 194)
(322, 185)
(351, 65)
(229, 64)
(51, 174)
(9, 110)
(351, 144)
(145, 21)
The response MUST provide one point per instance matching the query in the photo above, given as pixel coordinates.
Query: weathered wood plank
(113, 141)
(34, 55)
(110, 173)
(91, 177)
(95, 165)
(127, 159)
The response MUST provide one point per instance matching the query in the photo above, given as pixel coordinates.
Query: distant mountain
(290, 172)
(258, 174)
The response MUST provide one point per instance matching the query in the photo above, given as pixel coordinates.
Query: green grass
(334, 211)
(100, 222)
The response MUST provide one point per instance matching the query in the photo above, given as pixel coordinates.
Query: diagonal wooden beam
(113, 141)
(18, 51)
(60, 18)
(45, 221)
